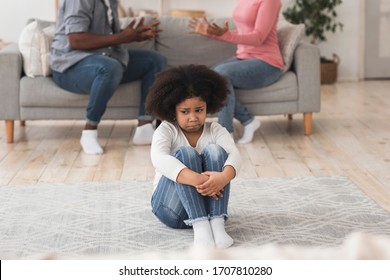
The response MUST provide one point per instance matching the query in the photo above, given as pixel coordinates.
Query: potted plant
(319, 17)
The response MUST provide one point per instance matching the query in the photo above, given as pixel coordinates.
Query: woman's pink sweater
(256, 37)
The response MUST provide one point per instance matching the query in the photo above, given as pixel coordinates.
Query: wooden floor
(351, 137)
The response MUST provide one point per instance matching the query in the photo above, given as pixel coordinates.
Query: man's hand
(152, 32)
(141, 32)
(89, 41)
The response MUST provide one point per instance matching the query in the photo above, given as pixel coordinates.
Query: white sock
(203, 236)
(143, 134)
(249, 131)
(89, 142)
(221, 238)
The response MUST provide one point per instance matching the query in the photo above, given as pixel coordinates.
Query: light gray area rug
(111, 218)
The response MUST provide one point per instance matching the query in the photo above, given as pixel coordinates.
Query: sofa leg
(307, 120)
(289, 117)
(9, 131)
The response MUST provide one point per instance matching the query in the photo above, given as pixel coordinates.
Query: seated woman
(258, 61)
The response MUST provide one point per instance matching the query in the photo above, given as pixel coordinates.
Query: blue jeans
(99, 76)
(245, 74)
(177, 205)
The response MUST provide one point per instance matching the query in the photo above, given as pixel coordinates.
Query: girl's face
(191, 114)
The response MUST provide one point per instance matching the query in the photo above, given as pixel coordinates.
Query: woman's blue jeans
(177, 205)
(245, 74)
(99, 76)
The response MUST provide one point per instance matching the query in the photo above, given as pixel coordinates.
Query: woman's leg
(247, 74)
(143, 65)
(214, 158)
(226, 115)
(98, 76)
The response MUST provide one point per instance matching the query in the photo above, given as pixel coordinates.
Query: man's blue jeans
(99, 76)
(245, 74)
(177, 205)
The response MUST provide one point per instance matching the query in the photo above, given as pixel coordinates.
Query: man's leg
(98, 76)
(143, 65)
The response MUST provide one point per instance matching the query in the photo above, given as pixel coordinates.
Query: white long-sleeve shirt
(169, 137)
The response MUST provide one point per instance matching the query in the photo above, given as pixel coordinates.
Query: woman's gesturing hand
(217, 30)
(199, 26)
(204, 27)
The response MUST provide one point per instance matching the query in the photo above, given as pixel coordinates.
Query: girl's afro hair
(174, 85)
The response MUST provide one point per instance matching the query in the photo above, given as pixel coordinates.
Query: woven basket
(329, 70)
(187, 13)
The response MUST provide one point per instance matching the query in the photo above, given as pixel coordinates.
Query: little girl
(194, 160)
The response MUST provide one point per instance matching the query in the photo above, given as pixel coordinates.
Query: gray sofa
(25, 98)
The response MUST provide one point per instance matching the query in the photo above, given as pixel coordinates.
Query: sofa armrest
(10, 74)
(306, 65)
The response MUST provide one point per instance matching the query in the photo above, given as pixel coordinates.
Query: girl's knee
(215, 152)
(214, 157)
(186, 152)
(190, 158)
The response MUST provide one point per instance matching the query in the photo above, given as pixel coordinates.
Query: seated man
(87, 57)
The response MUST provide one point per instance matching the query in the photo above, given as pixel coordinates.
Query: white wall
(213, 8)
(14, 14)
(346, 44)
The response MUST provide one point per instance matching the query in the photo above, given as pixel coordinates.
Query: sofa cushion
(43, 92)
(285, 89)
(278, 98)
(34, 44)
(181, 47)
(289, 36)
